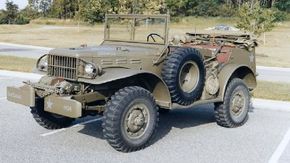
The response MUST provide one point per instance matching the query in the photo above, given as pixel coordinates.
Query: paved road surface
(22, 50)
(183, 136)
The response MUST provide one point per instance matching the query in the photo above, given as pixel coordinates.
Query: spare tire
(184, 74)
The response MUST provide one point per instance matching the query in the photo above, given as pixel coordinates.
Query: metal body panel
(228, 71)
(158, 86)
(113, 74)
(24, 95)
(64, 106)
(109, 48)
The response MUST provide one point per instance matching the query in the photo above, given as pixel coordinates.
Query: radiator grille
(62, 66)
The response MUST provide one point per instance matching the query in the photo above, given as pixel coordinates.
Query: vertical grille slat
(62, 66)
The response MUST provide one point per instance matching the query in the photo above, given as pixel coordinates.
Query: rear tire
(130, 119)
(49, 120)
(233, 112)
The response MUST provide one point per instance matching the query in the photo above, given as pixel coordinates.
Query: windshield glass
(136, 29)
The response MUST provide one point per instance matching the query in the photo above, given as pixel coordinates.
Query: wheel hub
(136, 121)
(189, 76)
(238, 103)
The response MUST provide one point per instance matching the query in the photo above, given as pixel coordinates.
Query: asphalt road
(265, 73)
(183, 136)
(22, 50)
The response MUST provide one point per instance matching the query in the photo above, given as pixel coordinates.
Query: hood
(107, 50)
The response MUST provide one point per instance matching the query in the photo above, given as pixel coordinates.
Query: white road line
(53, 132)
(76, 125)
(280, 149)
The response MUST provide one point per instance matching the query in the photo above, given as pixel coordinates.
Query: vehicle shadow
(184, 118)
(179, 118)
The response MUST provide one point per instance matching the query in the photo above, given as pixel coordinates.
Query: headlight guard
(42, 63)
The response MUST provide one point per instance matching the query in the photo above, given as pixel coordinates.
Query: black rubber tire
(222, 110)
(48, 120)
(114, 117)
(163, 111)
(171, 70)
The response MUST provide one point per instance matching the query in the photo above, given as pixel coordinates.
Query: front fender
(112, 74)
(157, 86)
(241, 71)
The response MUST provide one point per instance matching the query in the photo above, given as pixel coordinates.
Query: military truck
(136, 73)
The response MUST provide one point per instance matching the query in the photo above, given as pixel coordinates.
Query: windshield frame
(166, 18)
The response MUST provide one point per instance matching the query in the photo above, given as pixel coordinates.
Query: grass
(272, 91)
(51, 35)
(17, 63)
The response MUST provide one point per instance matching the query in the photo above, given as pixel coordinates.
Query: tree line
(93, 11)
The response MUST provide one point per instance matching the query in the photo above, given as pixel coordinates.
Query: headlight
(42, 63)
(90, 70)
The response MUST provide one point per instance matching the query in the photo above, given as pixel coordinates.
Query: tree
(10, 13)
(64, 9)
(33, 4)
(256, 19)
(29, 13)
(93, 11)
(44, 6)
(283, 5)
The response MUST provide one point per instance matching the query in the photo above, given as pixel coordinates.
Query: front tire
(130, 119)
(233, 112)
(49, 120)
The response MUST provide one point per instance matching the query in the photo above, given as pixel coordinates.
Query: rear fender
(230, 71)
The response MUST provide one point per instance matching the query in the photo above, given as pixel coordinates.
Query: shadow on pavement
(184, 118)
(179, 118)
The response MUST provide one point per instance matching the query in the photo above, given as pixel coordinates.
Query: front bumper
(65, 106)
(24, 95)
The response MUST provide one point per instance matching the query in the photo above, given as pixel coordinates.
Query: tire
(49, 120)
(122, 115)
(185, 87)
(233, 112)
(163, 111)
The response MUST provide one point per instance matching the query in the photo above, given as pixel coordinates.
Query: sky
(21, 3)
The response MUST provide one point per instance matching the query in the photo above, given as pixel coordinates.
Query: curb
(281, 69)
(26, 46)
(271, 105)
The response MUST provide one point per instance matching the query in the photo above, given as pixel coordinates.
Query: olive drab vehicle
(136, 73)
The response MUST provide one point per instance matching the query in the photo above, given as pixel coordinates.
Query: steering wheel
(151, 35)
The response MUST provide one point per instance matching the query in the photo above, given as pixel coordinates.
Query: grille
(60, 66)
